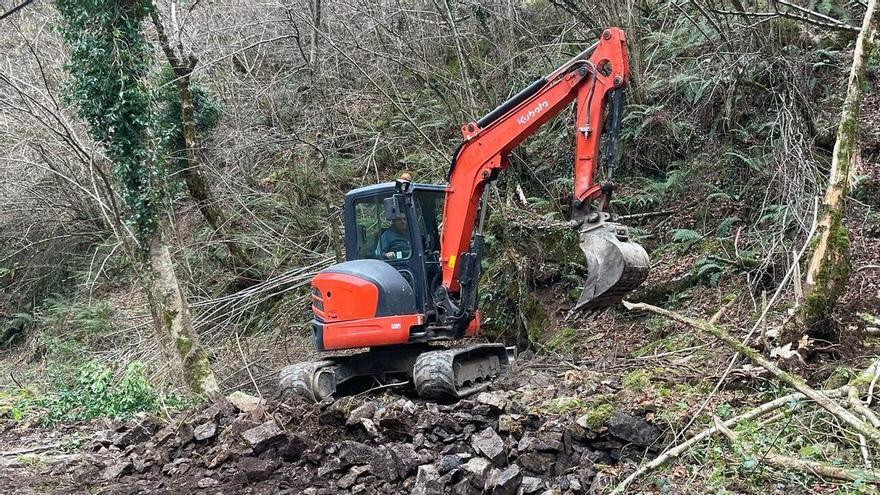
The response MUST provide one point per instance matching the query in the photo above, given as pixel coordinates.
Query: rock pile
(488, 444)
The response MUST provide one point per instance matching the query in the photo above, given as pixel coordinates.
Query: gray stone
(330, 466)
(103, 437)
(138, 433)
(495, 400)
(488, 443)
(207, 483)
(118, 470)
(633, 429)
(256, 469)
(350, 478)
(365, 411)
(504, 481)
(531, 484)
(185, 434)
(293, 449)
(427, 481)
(384, 465)
(139, 464)
(246, 403)
(548, 442)
(263, 436)
(479, 468)
(205, 431)
(356, 453)
(574, 483)
(536, 462)
(449, 462)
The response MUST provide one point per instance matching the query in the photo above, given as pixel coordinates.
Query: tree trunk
(198, 187)
(172, 322)
(313, 42)
(196, 184)
(829, 267)
(335, 238)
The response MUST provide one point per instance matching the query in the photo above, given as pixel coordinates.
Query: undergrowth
(87, 391)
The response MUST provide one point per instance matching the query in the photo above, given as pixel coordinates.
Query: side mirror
(394, 207)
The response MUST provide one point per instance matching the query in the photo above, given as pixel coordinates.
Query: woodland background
(732, 116)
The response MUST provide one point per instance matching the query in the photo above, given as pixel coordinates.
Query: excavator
(408, 287)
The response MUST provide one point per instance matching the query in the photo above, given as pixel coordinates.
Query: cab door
(367, 227)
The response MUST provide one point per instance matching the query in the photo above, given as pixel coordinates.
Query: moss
(832, 277)
(184, 346)
(637, 380)
(563, 405)
(563, 340)
(840, 376)
(599, 416)
(199, 374)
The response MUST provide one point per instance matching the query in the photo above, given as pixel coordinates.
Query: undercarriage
(435, 372)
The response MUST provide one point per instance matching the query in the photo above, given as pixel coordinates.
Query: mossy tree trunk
(172, 322)
(183, 64)
(829, 267)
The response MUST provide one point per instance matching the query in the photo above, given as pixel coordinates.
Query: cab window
(378, 237)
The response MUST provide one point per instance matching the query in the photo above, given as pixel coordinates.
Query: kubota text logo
(522, 119)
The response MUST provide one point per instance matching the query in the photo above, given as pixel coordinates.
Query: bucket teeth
(615, 266)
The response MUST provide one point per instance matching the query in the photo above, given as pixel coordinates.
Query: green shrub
(93, 390)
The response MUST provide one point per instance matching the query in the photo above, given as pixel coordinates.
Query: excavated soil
(518, 438)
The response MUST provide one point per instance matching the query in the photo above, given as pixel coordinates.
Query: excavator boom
(593, 79)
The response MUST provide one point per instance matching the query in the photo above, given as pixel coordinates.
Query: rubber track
(298, 378)
(433, 375)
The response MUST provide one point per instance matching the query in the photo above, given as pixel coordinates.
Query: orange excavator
(413, 250)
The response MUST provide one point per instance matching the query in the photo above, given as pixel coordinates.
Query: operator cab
(407, 239)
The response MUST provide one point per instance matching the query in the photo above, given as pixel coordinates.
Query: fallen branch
(869, 431)
(813, 467)
(683, 447)
(30, 450)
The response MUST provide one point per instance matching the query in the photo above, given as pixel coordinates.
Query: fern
(723, 229)
(682, 236)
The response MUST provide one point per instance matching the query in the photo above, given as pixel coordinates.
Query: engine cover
(361, 289)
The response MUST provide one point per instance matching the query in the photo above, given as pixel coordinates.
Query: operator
(394, 242)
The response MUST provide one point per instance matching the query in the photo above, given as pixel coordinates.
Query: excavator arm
(592, 79)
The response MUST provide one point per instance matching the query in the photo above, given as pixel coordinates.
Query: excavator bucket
(615, 265)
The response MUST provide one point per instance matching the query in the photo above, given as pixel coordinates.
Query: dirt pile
(495, 442)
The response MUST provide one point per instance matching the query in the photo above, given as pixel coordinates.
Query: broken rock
(488, 443)
(263, 436)
(351, 477)
(536, 462)
(256, 469)
(427, 481)
(495, 400)
(365, 411)
(633, 429)
(246, 403)
(118, 470)
(479, 468)
(504, 482)
(356, 453)
(531, 484)
(205, 431)
(449, 462)
(207, 483)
